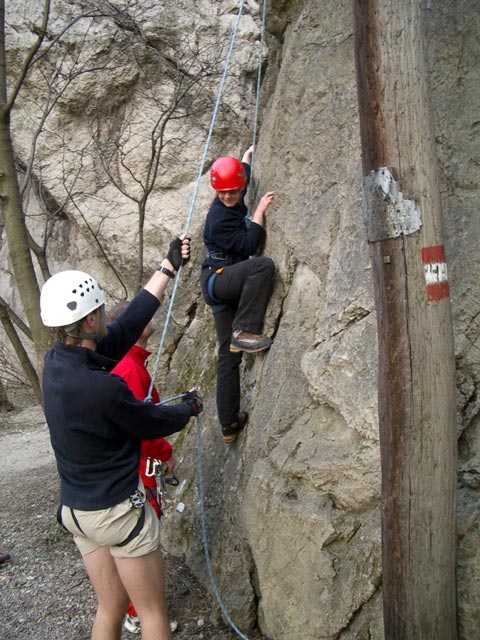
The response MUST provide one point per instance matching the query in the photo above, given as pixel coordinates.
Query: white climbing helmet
(69, 296)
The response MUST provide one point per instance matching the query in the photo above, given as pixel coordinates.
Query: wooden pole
(417, 404)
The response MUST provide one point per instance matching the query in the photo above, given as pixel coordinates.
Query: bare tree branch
(21, 352)
(41, 31)
(16, 318)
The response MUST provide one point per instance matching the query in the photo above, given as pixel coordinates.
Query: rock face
(292, 508)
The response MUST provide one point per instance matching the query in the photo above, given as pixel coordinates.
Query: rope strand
(172, 298)
(204, 533)
(194, 197)
(259, 82)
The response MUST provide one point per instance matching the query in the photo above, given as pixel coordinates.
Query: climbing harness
(215, 304)
(175, 286)
(219, 255)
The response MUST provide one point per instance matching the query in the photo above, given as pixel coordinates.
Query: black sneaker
(230, 431)
(249, 342)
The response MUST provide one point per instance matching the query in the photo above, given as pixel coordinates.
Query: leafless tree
(168, 90)
(17, 178)
(12, 209)
(169, 87)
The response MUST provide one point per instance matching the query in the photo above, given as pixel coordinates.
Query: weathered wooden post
(417, 407)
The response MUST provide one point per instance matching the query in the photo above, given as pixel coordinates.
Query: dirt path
(44, 592)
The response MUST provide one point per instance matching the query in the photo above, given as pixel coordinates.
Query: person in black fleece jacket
(236, 286)
(96, 426)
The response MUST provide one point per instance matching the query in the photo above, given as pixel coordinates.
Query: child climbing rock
(237, 286)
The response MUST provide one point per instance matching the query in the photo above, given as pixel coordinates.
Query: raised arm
(178, 254)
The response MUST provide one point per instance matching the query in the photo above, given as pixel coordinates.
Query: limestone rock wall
(292, 509)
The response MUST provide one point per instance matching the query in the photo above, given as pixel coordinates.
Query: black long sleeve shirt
(227, 234)
(96, 424)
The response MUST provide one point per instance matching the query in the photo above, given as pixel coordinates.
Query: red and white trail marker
(436, 275)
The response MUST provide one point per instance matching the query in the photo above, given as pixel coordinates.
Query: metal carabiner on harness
(156, 469)
(151, 467)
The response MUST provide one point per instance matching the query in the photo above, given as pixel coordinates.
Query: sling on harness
(219, 305)
(208, 282)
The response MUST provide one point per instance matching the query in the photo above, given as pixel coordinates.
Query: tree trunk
(417, 404)
(14, 219)
(21, 353)
(5, 404)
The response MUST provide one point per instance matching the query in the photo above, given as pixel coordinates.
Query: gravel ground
(44, 591)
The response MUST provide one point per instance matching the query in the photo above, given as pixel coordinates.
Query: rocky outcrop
(292, 509)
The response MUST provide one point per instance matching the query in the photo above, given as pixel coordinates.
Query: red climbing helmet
(227, 173)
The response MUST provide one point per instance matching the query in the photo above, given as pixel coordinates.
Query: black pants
(246, 287)
(228, 368)
(247, 284)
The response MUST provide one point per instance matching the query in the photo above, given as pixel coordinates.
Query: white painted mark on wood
(388, 214)
(436, 273)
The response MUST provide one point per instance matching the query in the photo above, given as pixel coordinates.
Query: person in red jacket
(132, 368)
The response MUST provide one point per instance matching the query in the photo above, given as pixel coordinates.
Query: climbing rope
(204, 533)
(194, 197)
(172, 398)
(172, 298)
(259, 82)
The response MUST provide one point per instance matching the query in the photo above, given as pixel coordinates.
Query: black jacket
(227, 236)
(96, 424)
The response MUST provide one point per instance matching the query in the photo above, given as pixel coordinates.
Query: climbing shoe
(249, 342)
(230, 431)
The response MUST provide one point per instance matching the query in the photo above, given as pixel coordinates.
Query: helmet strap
(73, 330)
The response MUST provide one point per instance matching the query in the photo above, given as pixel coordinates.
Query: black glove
(194, 401)
(174, 255)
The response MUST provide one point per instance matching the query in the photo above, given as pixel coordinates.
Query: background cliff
(292, 508)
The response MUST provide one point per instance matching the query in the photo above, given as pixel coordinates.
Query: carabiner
(151, 467)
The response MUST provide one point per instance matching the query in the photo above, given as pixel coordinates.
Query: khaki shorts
(129, 532)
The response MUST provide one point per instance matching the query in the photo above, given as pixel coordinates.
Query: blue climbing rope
(259, 82)
(194, 197)
(172, 298)
(172, 398)
(204, 533)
